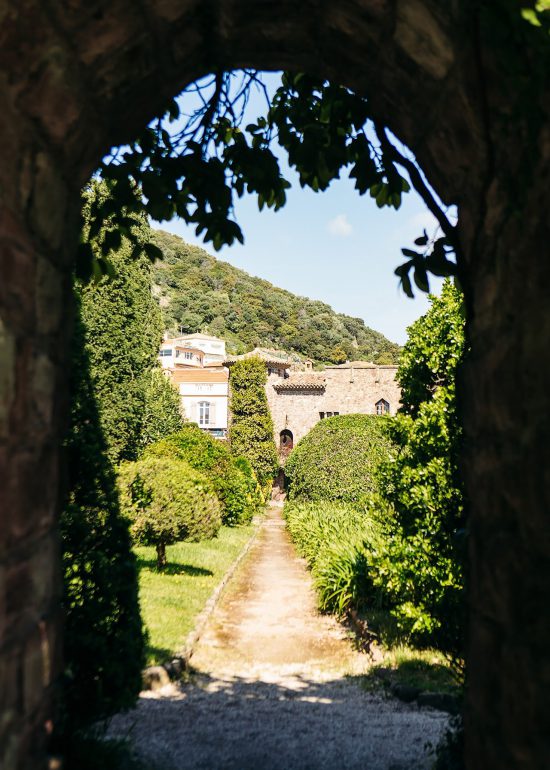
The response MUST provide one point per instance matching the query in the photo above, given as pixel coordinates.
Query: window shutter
(194, 412)
(212, 413)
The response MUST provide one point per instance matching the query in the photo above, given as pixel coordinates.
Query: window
(166, 352)
(321, 415)
(188, 355)
(382, 407)
(204, 413)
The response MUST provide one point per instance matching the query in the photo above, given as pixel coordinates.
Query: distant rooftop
(361, 365)
(269, 356)
(199, 336)
(302, 381)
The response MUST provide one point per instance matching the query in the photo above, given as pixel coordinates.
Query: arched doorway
(90, 80)
(286, 442)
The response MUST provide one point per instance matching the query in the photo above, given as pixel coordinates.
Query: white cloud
(423, 220)
(340, 226)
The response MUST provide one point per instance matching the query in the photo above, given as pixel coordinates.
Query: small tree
(167, 501)
(251, 431)
(239, 495)
(162, 413)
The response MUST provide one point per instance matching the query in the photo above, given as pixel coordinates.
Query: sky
(334, 246)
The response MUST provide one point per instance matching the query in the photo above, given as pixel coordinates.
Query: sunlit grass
(426, 669)
(172, 600)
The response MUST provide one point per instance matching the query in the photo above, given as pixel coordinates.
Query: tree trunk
(161, 556)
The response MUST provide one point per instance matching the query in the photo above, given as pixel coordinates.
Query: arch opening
(430, 68)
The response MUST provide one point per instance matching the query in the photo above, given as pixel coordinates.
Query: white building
(213, 348)
(204, 397)
(174, 355)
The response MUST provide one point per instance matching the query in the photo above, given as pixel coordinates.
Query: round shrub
(338, 458)
(167, 501)
(211, 457)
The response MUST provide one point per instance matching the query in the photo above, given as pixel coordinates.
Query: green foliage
(421, 565)
(123, 330)
(251, 431)
(237, 491)
(338, 458)
(100, 598)
(433, 350)
(167, 501)
(200, 292)
(162, 409)
(336, 540)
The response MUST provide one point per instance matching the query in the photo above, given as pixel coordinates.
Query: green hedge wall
(337, 460)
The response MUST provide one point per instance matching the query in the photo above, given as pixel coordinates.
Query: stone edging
(155, 677)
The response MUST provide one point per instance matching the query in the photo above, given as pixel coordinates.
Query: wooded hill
(197, 292)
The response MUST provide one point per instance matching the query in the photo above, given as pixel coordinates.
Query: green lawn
(171, 601)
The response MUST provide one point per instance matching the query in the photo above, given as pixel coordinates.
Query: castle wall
(348, 390)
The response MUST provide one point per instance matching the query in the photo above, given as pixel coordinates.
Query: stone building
(299, 397)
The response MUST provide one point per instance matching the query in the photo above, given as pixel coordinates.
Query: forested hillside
(200, 293)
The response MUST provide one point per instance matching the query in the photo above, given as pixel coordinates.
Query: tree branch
(417, 182)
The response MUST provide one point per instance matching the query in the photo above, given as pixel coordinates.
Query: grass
(428, 670)
(172, 600)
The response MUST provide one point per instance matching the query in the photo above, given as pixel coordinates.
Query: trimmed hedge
(167, 501)
(236, 489)
(338, 458)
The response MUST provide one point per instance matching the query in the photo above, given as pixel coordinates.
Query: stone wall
(79, 78)
(344, 389)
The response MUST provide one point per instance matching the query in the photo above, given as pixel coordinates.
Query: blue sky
(335, 246)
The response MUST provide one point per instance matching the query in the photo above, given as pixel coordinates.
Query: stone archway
(79, 78)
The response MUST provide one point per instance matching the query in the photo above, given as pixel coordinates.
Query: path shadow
(173, 568)
(236, 723)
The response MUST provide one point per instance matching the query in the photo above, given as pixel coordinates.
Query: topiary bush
(337, 459)
(167, 501)
(237, 494)
(251, 430)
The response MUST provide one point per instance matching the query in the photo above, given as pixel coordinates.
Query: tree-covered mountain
(200, 293)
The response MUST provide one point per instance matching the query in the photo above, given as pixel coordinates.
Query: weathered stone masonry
(299, 401)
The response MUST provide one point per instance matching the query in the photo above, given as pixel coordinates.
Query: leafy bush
(337, 459)
(167, 501)
(336, 540)
(238, 494)
(251, 431)
(422, 563)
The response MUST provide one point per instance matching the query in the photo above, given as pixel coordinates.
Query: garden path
(276, 686)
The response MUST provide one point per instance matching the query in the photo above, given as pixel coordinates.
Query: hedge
(337, 459)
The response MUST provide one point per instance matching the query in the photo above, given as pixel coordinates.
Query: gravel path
(276, 686)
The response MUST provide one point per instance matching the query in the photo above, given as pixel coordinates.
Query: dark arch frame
(95, 75)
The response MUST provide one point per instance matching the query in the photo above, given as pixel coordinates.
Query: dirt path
(277, 686)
